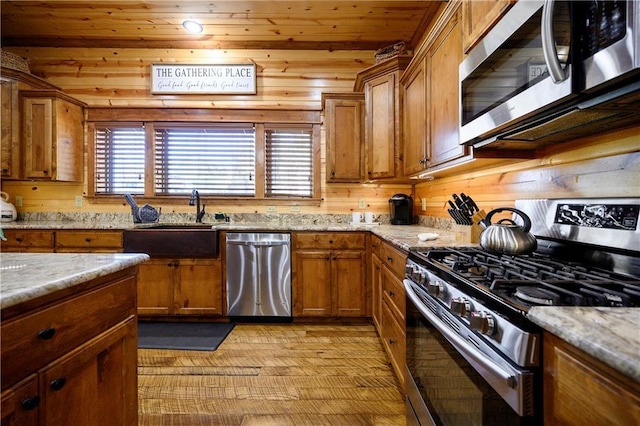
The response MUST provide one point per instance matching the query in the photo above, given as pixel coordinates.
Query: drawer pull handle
(392, 293)
(390, 259)
(88, 240)
(330, 241)
(57, 384)
(19, 239)
(392, 342)
(30, 403)
(47, 333)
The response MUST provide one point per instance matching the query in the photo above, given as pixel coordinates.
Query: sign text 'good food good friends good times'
(203, 79)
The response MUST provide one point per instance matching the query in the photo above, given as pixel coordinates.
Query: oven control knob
(435, 288)
(482, 322)
(423, 277)
(460, 306)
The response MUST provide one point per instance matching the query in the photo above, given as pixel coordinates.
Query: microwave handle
(549, 50)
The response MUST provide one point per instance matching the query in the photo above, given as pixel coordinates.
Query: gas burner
(537, 296)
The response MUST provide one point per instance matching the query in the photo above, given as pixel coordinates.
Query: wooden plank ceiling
(228, 24)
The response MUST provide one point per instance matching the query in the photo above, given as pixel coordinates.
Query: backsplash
(280, 218)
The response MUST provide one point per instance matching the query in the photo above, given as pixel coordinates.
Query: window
(119, 159)
(289, 163)
(215, 160)
(226, 160)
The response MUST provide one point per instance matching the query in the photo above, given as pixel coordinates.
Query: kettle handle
(527, 222)
(4, 196)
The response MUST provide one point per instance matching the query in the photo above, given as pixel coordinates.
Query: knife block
(467, 234)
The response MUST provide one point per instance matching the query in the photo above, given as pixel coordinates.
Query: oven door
(445, 387)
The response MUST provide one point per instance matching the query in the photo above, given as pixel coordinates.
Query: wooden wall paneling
(120, 77)
(602, 166)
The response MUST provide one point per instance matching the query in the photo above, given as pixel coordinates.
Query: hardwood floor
(275, 374)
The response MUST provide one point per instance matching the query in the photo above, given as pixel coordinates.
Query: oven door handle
(469, 352)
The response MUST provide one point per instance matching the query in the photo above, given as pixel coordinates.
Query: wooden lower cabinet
(330, 282)
(27, 241)
(73, 362)
(391, 299)
(579, 390)
(180, 287)
(88, 241)
(391, 304)
(376, 282)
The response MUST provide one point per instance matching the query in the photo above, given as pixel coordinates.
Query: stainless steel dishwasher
(258, 275)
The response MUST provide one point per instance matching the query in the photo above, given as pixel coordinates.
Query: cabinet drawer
(376, 246)
(27, 239)
(51, 332)
(89, 239)
(393, 293)
(394, 340)
(330, 240)
(395, 259)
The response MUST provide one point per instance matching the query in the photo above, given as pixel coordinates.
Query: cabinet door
(444, 58)
(312, 289)
(478, 18)
(198, 290)
(98, 380)
(415, 124)
(381, 126)
(20, 404)
(38, 136)
(376, 289)
(344, 119)
(155, 286)
(348, 283)
(10, 121)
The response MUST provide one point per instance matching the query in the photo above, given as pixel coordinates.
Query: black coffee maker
(401, 209)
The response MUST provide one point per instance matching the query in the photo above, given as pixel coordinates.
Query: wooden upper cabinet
(383, 117)
(53, 131)
(10, 122)
(443, 60)
(344, 117)
(414, 116)
(479, 16)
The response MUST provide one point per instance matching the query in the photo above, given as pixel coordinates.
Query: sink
(180, 226)
(173, 240)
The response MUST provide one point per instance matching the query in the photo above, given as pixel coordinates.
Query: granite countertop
(27, 276)
(608, 334)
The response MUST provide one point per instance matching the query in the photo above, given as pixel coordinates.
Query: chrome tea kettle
(505, 236)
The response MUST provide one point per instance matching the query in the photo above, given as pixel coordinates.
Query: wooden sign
(203, 79)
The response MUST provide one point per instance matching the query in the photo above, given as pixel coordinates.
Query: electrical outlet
(362, 203)
(424, 204)
(18, 200)
(295, 208)
(271, 209)
(78, 200)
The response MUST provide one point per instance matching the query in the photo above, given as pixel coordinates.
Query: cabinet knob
(46, 172)
(392, 293)
(88, 240)
(390, 259)
(19, 239)
(30, 403)
(47, 333)
(392, 342)
(57, 384)
(333, 172)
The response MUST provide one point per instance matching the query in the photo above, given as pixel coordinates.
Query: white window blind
(213, 160)
(289, 163)
(119, 160)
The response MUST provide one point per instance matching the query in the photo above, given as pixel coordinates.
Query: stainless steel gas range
(473, 356)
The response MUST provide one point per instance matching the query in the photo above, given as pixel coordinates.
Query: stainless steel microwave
(544, 58)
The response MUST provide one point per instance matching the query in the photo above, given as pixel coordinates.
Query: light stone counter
(611, 335)
(27, 276)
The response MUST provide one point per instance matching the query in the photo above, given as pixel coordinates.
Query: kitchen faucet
(195, 200)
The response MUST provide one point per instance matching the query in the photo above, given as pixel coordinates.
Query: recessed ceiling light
(192, 26)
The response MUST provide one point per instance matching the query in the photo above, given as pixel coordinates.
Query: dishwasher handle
(259, 243)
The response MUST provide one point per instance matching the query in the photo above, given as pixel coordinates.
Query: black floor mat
(182, 335)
